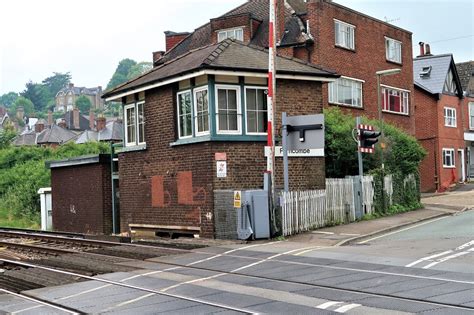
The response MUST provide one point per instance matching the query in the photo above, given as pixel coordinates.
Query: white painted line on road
(402, 230)
(468, 244)
(349, 234)
(445, 259)
(322, 232)
(328, 304)
(428, 258)
(127, 302)
(346, 308)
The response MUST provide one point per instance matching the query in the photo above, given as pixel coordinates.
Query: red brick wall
(434, 136)
(173, 40)
(166, 185)
(82, 199)
(367, 58)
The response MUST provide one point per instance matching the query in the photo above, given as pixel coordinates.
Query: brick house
(466, 76)
(325, 33)
(210, 100)
(66, 97)
(439, 120)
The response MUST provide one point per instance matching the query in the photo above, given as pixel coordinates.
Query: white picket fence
(306, 210)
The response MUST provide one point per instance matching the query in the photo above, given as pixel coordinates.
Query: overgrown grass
(392, 210)
(23, 172)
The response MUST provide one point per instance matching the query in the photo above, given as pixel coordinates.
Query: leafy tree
(403, 153)
(38, 94)
(8, 99)
(121, 73)
(139, 69)
(84, 104)
(56, 82)
(26, 103)
(6, 137)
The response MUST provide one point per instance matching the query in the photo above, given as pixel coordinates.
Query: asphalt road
(422, 269)
(445, 244)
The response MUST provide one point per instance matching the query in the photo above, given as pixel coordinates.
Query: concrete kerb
(389, 229)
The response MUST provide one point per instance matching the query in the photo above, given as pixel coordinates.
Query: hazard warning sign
(237, 199)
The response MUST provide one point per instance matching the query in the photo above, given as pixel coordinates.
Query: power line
(454, 38)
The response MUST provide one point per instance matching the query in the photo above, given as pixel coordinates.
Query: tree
(56, 82)
(38, 94)
(26, 103)
(84, 104)
(403, 153)
(139, 69)
(8, 99)
(121, 73)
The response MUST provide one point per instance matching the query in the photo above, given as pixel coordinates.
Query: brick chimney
(62, 124)
(100, 123)
(50, 118)
(71, 85)
(75, 119)
(173, 38)
(91, 120)
(280, 20)
(39, 126)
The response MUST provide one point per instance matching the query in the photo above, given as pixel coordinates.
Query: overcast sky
(88, 39)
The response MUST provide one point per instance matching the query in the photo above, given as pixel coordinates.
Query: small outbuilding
(82, 194)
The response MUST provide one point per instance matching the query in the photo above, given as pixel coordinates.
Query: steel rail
(40, 248)
(329, 287)
(44, 302)
(177, 296)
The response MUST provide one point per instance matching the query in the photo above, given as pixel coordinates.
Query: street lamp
(380, 74)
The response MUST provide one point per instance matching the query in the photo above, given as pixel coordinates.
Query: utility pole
(271, 104)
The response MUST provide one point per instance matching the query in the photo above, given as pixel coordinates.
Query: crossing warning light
(368, 137)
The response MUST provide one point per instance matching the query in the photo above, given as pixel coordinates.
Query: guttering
(241, 73)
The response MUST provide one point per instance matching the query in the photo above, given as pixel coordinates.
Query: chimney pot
(427, 50)
(422, 48)
(71, 85)
(62, 124)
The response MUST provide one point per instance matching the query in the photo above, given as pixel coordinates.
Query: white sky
(38, 38)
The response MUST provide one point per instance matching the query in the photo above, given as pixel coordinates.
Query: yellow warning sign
(237, 199)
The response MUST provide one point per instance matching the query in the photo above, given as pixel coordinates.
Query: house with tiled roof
(466, 76)
(439, 120)
(66, 97)
(327, 34)
(208, 102)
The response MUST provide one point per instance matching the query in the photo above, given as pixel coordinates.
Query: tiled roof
(257, 9)
(466, 76)
(113, 131)
(227, 55)
(55, 134)
(440, 64)
(28, 138)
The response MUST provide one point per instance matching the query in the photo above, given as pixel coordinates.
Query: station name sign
(296, 152)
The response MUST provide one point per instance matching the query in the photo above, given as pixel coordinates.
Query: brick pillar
(91, 120)
(75, 118)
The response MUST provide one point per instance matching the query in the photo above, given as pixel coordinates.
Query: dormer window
(235, 33)
(425, 72)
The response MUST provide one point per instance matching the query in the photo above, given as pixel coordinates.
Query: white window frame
(388, 46)
(471, 115)
(250, 87)
(334, 84)
(177, 113)
(226, 32)
(125, 113)
(351, 28)
(453, 158)
(450, 118)
(195, 114)
(138, 123)
(405, 95)
(239, 109)
(137, 134)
